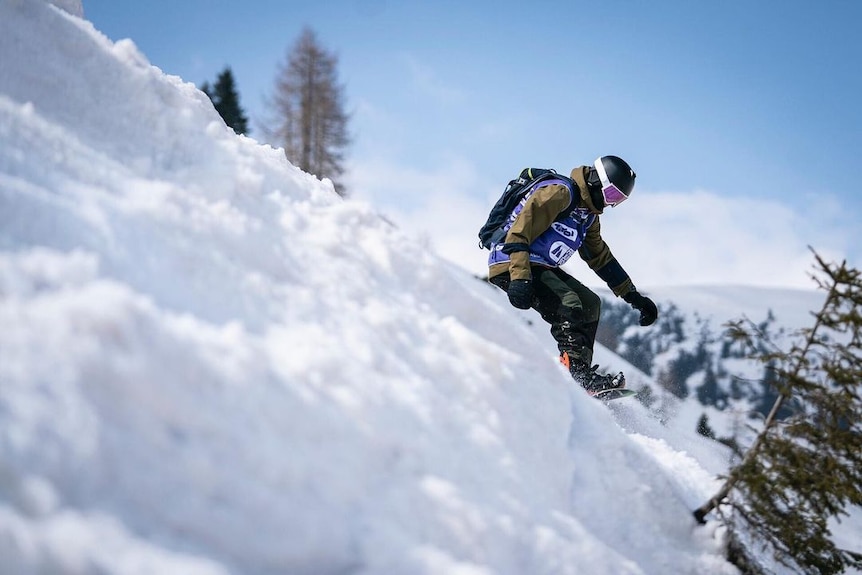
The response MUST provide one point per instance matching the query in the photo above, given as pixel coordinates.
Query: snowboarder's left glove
(521, 293)
(649, 312)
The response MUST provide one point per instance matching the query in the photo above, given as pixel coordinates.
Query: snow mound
(212, 364)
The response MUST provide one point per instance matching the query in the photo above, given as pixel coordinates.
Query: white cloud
(426, 81)
(660, 238)
(672, 238)
(445, 205)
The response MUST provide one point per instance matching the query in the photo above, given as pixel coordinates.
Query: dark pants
(570, 307)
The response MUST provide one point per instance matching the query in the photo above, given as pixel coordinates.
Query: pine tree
(703, 427)
(804, 470)
(225, 99)
(308, 115)
(710, 392)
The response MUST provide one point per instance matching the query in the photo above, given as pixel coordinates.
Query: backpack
(492, 231)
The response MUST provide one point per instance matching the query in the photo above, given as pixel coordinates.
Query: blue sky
(740, 117)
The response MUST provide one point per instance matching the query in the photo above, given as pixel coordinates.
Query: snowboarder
(556, 218)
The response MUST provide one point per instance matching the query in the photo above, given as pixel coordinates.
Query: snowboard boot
(588, 378)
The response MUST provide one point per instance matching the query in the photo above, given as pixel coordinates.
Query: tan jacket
(540, 211)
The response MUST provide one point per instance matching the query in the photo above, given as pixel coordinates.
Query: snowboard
(611, 394)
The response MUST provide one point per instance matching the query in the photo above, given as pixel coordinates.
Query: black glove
(521, 293)
(649, 312)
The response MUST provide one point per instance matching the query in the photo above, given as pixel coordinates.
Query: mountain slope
(211, 364)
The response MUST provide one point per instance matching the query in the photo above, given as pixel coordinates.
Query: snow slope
(211, 364)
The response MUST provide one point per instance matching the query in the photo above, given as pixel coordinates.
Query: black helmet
(617, 179)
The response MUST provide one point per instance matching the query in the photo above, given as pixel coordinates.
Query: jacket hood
(579, 176)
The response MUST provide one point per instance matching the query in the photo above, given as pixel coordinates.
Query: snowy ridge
(211, 364)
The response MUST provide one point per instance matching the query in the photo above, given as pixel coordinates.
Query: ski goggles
(613, 195)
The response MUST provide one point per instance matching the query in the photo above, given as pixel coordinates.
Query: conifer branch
(801, 470)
